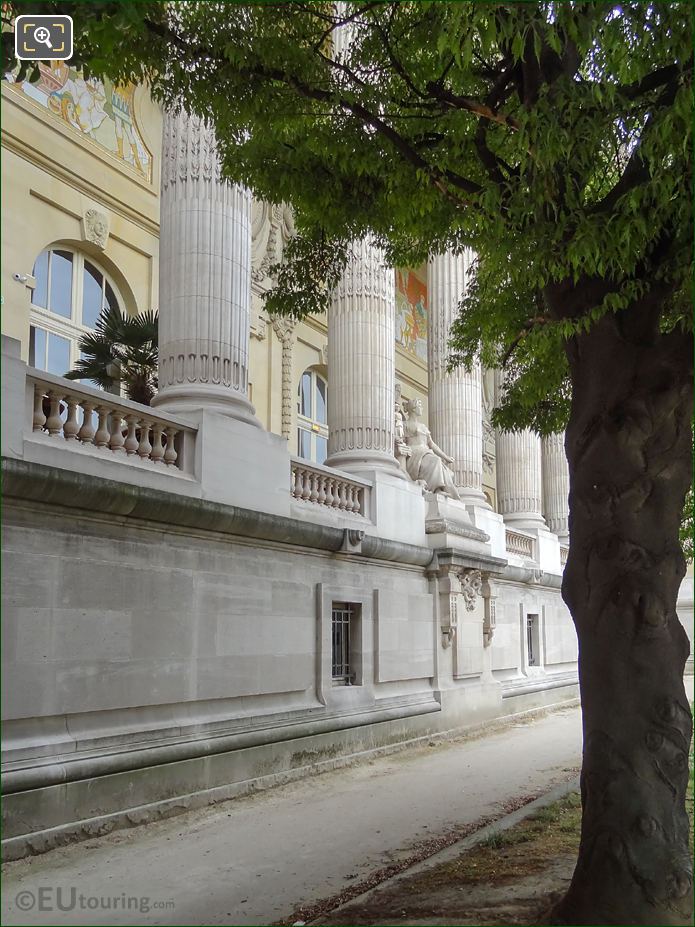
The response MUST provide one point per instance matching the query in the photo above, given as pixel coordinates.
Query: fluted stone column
(205, 276)
(519, 483)
(361, 365)
(555, 485)
(455, 399)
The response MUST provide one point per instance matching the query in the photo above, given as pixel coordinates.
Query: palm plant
(121, 348)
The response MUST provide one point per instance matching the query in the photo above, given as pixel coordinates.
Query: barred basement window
(532, 643)
(344, 617)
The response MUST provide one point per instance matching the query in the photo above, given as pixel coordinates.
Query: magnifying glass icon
(43, 35)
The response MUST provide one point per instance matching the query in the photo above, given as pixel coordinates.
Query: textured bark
(628, 444)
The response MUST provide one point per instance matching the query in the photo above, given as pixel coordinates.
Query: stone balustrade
(564, 552)
(325, 486)
(519, 544)
(79, 415)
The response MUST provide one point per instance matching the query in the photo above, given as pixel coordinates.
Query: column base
(470, 496)
(183, 399)
(525, 520)
(364, 461)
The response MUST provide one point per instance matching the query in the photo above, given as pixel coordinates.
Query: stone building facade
(312, 544)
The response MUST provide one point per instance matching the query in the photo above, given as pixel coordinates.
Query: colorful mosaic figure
(411, 311)
(99, 110)
(122, 108)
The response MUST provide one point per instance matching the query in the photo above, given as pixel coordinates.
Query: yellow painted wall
(51, 176)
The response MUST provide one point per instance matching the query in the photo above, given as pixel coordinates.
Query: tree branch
(439, 178)
(655, 79)
(470, 105)
(636, 170)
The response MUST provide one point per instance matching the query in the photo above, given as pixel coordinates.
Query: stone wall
(151, 666)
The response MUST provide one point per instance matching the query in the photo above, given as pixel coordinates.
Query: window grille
(342, 622)
(532, 639)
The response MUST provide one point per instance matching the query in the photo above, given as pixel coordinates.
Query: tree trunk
(628, 445)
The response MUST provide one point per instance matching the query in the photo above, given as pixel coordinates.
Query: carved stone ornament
(489, 593)
(471, 587)
(284, 329)
(401, 450)
(488, 448)
(352, 540)
(96, 228)
(449, 631)
(272, 227)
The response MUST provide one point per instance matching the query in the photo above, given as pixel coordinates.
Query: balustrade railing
(313, 483)
(519, 544)
(564, 551)
(79, 415)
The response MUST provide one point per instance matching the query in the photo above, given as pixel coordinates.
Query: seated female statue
(427, 462)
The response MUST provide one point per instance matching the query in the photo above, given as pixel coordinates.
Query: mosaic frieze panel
(411, 311)
(98, 110)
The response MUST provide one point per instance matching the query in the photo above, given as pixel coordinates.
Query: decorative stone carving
(284, 328)
(471, 587)
(400, 448)
(366, 276)
(489, 593)
(449, 633)
(189, 151)
(426, 460)
(272, 227)
(449, 589)
(96, 228)
(352, 540)
(488, 446)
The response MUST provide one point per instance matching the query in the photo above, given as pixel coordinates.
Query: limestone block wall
(161, 653)
(112, 626)
(556, 645)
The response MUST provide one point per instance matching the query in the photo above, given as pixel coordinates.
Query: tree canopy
(554, 138)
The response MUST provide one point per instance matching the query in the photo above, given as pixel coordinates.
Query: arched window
(70, 292)
(312, 431)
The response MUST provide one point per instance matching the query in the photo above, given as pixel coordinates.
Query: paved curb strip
(467, 843)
